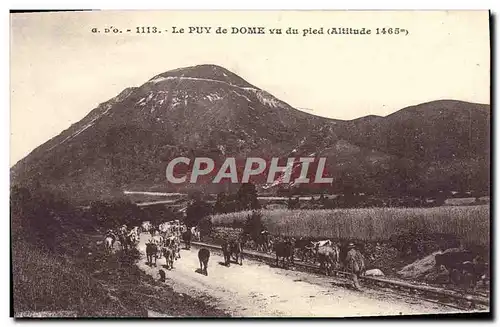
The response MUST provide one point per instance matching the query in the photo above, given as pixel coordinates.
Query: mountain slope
(437, 130)
(207, 110)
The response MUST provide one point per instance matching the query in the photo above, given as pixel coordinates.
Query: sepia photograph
(244, 164)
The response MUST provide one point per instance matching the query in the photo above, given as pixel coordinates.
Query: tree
(293, 203)
(195, 211)
(221, 203)
(205, 226)
(253, 225)
(247, 197)
(37, 216)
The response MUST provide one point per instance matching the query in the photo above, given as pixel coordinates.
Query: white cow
(147, 226)
(135, 230)
(322, 243)
(108, 243)
(165, 228)
(133, 236)
(157, 239)
(196, 233)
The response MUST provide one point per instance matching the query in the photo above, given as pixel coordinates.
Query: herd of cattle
(165, 242)
(330, 256)
(462, 267)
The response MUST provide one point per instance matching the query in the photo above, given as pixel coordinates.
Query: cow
(462, 264)
(203, 256)
(136, 230)
(186, 237)
(237, 251)
(122, 233)
(474, 271)
(159, 242)
(151, 252)
(262, 241)
(165, 228)
(284, 250)
(157, 239)
(354, 263)
(176, 228)
(123, 229)
(305, 248)
(109, 241)
(270, 245)
(162, 275)
(133, 236)
(319, 244)
(328, 258)
(452, 260)
(124, 237)
(196, 233)
(226, 252)
(168, 253)
(147, 227)
(234, 249)
(174, 244)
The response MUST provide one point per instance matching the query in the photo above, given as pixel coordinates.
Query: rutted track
(424, 292)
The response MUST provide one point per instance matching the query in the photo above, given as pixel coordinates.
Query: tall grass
(97, 285)
(468, 223)
(44, 282)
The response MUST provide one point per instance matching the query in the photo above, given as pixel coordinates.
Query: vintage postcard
(250, 163)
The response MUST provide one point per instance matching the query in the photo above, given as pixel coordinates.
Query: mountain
(206, 110)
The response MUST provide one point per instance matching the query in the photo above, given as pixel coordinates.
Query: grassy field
(468, 223)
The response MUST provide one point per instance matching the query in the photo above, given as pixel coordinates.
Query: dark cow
(305, 248)
(151, 251)
(284, 250)
(162, 275)
(354, 263)
(328, 258)
(463, 267)
(187, 237)
(262, 241)
(234, 249)
(473, 272)
(122, 237)
(453, 261)
(203, 256)
(226, 251)
(237, 251)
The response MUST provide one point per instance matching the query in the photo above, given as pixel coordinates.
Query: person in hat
(355, 263)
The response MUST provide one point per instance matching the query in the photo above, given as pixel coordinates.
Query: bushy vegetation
(471, 224)
(59, 263)
(244, 199)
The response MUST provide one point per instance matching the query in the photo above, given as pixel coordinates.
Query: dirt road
(256, 289)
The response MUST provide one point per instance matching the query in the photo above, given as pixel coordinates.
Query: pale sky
(60, 71)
